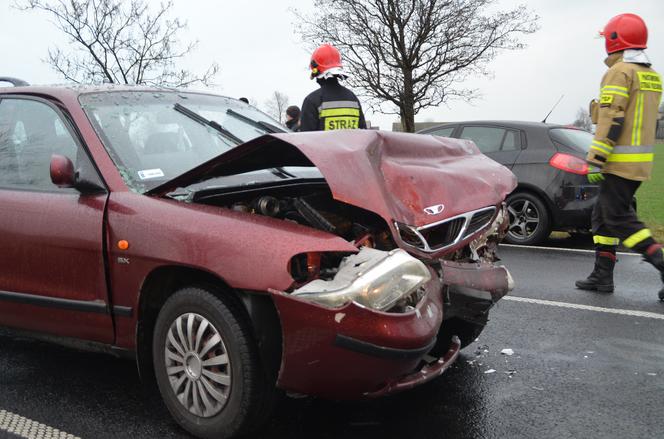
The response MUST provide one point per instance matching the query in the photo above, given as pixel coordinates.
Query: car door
(500, 144)
(52, 275)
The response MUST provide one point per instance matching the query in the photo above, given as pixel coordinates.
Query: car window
(492, 139)
(30, 133)
(573, 138)
(512, 141)
(443, 132)
(151, 142)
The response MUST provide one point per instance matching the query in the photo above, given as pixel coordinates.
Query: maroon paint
(62, 171)
(312, 364)
(53, 245)
(226, 243)
(424, 375)
(399, 174)
(483, 277)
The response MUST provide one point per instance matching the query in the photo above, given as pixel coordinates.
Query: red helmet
(324, 58)
(625, 31)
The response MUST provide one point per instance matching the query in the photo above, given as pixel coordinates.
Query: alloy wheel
(524, 219)
(198, 365)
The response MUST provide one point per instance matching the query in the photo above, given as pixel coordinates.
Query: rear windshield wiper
(212, 124)
(269, 128)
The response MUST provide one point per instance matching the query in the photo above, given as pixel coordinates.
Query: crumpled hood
(395, 175)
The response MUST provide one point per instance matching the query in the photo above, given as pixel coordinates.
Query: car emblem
(435, 209)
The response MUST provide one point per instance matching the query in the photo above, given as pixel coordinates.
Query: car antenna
(554, 107)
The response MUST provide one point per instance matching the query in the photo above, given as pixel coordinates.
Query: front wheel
(207, 365)
(530, 222)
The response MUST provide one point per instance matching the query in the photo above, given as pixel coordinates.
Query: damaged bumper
(353, 351)
(484, 281)
(473, 289)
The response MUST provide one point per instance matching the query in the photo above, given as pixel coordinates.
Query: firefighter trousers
(614, 218)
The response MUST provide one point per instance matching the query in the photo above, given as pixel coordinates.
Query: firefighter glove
(595, 176)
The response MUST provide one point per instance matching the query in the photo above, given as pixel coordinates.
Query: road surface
(584, 365)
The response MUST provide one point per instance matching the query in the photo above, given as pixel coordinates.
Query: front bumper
(352, 352)
(355, 352)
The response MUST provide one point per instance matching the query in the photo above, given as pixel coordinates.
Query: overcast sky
(255, 43)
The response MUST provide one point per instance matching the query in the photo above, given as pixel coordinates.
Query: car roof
(518, 124)
(65, 92)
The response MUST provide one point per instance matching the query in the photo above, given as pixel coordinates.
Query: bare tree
(119, 41)
(276, 105)
(583, 120)
(414, 54)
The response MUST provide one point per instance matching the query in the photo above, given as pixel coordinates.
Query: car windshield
(573, 138)
(154, 137)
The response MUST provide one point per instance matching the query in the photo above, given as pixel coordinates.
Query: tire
(530, 221)
(229, 396)
(467, 332)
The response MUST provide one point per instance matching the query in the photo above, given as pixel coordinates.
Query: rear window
(576, 139)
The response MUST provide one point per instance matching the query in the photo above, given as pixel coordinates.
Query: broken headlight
(373, 278)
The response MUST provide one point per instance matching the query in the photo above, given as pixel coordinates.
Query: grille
(410, 237)
(479, 221)
(443, 234)
(435, 237)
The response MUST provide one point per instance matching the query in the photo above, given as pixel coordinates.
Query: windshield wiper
(212, 124)
(267, 127)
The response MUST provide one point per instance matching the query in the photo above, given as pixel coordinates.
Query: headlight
(373, 278)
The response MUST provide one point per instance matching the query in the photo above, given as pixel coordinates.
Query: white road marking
(29, 429)
(625, 312)
(564, 249)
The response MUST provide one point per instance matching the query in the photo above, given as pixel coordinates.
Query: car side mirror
(62, 171)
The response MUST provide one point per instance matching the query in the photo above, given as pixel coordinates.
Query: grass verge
(650, 196)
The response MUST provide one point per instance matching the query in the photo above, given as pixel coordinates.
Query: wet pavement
(596, 372)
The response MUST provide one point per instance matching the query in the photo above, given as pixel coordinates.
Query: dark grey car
(549, 161)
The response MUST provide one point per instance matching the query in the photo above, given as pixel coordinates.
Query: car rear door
(499, 143)
(52, 272)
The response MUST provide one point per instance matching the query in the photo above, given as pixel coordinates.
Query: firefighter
(621, 153)
(332, 106)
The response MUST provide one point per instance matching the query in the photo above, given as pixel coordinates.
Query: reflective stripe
(332, 112)
(631, 149)
(600, 143)
(639, 236)
(614, 92)
(631, 158)
(605, 240)
(638, 120)
(608, 90)
(601, 146)
(600, 149)
(615, 87)
(339, 104)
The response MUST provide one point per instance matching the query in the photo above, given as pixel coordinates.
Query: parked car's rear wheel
(207, 365)
(530, 222)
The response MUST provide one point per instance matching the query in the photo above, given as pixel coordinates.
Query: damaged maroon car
(232, 258)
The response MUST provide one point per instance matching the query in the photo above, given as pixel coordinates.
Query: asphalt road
(593, 372)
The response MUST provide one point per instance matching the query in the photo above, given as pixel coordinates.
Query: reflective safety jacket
(626, 118)
(331, 107)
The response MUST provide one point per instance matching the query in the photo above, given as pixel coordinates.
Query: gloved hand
(595, 176)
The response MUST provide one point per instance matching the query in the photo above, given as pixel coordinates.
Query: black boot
(601, 279)
(655, 255)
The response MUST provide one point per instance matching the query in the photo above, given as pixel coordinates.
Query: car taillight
(569, 163)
